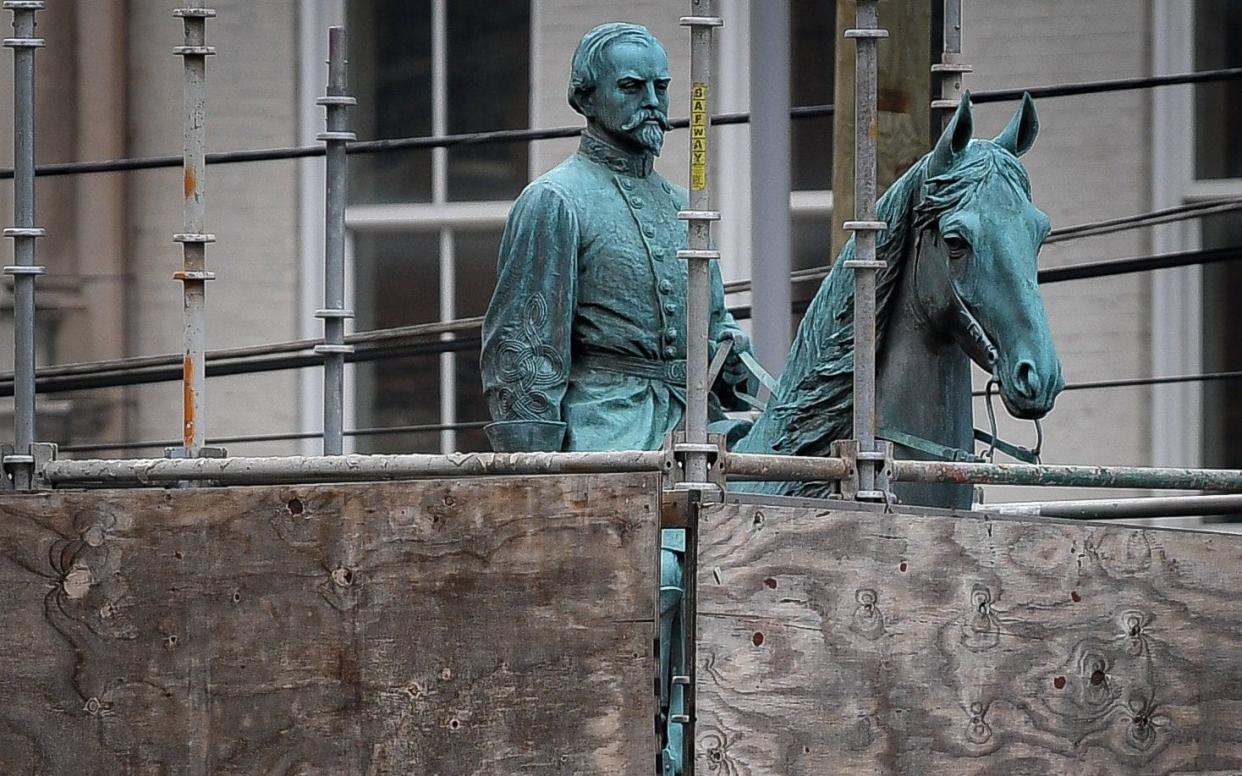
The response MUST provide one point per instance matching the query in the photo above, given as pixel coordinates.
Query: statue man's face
(630, 102)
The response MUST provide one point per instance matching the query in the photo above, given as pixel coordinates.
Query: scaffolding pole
(194, 237)
(343, 468)
(333, 349)
(1125, 508)
(20, 463)
(950, 70)
(864, 263)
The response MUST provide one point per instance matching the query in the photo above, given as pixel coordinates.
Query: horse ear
(1019, 136)
(953, 140)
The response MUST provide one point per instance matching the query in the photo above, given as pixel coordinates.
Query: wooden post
(903, 93)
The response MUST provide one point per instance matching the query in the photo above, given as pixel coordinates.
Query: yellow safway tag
(698, 136)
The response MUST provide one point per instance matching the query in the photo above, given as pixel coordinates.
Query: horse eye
(956, 245)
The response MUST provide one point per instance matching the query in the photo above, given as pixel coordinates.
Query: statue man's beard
(647, 128)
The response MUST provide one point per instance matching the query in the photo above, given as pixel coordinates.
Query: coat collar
(600, 149)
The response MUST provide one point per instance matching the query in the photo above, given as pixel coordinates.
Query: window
(1218, 44)
(813, 62)
(425, 225)
(1218, 173)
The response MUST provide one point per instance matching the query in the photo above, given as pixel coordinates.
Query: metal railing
(335, 349)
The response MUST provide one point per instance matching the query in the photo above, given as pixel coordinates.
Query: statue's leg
(671, 636)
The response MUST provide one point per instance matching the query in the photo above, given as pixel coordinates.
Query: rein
(980, 345)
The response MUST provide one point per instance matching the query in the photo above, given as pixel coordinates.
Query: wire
(527, 135)
(437, 427)
(1194, 210)
(1113, 85)
(1208, 207)
(376, 431)
(263, 358)
(1133, 382)
(113, 378)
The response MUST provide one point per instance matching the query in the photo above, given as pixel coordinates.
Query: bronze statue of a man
(584, 342)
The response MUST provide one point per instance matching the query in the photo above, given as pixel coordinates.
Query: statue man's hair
(588, 63)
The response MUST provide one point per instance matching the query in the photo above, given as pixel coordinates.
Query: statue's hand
(734, 371)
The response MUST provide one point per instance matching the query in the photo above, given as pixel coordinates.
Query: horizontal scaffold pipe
(1126, 508)
(783, 468)
(343, 468)
(1068, 476)
(528, 135)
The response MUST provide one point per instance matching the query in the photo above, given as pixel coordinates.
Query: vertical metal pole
(193, 238)
(699, 253)
(334, 314)
(770, 160)
(950, 69)
(439, 195)
(24, 233)
(865, 228)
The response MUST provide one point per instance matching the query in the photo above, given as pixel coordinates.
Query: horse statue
(959, 285)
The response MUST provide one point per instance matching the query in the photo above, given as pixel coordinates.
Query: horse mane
(813, 404)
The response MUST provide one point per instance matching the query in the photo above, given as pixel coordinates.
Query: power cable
(286, 437)
(527, 135)
(278, 356)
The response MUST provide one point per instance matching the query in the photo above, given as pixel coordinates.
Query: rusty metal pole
(865, 228)
(20, 463)
(194, 238)
(950, 70)
(334, 314)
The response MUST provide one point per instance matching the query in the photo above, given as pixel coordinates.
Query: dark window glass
(489, 88)
(390, 74)
(813, 62)
(398, 283)
(809, 240)
(1222, 348)
(475, 281)
(1218, 43)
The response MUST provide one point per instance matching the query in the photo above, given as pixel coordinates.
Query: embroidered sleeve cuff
(526, 436)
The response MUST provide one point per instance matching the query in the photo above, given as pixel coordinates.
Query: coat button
(670, 333)
(670, 308)
(665, 286)
(649, 231)
(670, 351)
(636, 203)
(627, 184)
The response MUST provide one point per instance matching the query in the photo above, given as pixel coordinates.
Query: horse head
(978, 239)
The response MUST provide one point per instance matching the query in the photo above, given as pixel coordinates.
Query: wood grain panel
(837, 642)
(484, 626)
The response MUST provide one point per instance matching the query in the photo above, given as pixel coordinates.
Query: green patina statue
(960, 285)
(584, 342)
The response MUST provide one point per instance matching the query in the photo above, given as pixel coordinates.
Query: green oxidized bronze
(959, 285)
(584, 342)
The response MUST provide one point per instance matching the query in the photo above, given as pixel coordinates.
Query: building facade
(423, 226)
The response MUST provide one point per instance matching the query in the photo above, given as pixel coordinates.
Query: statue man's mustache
(643, 117)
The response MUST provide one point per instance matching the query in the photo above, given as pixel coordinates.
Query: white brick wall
(1090, 162)
(557, 27)
(251, 208)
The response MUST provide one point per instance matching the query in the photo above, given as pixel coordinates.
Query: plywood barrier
(487, 626)
(846, 642)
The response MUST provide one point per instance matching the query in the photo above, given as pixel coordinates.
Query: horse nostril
(1026, 380)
